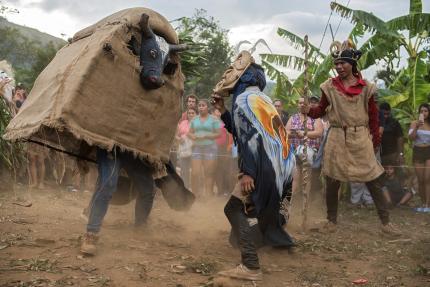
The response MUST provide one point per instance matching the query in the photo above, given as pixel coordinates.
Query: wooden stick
(305, 163)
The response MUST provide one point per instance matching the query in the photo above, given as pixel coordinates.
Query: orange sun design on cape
(270, 120)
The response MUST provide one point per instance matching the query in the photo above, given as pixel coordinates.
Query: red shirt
(352, 91)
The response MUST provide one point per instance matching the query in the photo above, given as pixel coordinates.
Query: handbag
(185, 148)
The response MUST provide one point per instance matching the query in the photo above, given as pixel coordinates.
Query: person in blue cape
(256, 209)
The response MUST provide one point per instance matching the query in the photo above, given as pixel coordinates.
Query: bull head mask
(154, 56)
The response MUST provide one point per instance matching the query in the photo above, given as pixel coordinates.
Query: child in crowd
(395, 192)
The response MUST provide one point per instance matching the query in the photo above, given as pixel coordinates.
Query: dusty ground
(39, 247)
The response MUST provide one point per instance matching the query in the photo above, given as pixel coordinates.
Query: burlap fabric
(349, 153)
(92, 95)
(233, 74)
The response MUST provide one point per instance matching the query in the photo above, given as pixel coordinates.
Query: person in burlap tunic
(348, 102)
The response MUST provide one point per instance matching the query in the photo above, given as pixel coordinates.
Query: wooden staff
(305, 162)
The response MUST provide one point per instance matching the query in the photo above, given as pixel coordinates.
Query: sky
(245, 19)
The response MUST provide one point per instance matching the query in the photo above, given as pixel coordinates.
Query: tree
(319, 68)
(387, 74)
(11, 154)
(16, 48)
(210, 53)
(388, 40)
(27, 57)
(43, 55)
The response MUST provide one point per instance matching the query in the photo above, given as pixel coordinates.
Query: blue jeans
(109, 165)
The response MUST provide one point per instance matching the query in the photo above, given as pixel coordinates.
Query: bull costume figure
(266, 163)
(100, 99)
(348, 102)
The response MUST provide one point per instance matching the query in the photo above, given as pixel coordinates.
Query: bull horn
(177, 47)
(144, 26)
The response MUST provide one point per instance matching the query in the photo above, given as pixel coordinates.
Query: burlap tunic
(349, 153)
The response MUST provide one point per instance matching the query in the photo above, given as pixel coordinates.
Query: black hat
(314, 98)
(345, 52)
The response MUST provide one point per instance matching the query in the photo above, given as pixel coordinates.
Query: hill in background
(31, 33)
(28, 50)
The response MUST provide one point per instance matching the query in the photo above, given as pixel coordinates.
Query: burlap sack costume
(90, 95)
(349, 153)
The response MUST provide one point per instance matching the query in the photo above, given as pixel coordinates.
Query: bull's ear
(144, 26)
(177, 48)
(133, 46)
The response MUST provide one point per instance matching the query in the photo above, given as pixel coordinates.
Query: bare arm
(213, 135)
(414, 127)
(191, 134)
(288, 126)
(318, 130)
(216, 130)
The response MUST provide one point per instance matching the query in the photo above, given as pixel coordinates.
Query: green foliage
(43, 56)
(11, 154)
(376, 48)
(210, 53)
(411, 85)
(370, 22)
(298, 43)
(415, 6)
(27, 57)
(319, 67)
(414, 23)
(288, 61)
(407, 88)
(388, 75)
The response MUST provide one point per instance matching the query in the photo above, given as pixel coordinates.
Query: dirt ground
(39, 247)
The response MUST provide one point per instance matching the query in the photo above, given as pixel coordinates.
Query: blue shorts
(205, 152)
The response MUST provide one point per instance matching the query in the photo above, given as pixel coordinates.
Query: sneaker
(426, 210)
(419, 209)
(390, 229)
(88, 245)
(243, 272)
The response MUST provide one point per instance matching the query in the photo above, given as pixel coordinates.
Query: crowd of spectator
(206, 153)
(40, 163)
(204, 149)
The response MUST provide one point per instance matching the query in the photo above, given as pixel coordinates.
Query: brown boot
(88, 245)
(243, 272)
(391, 229)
